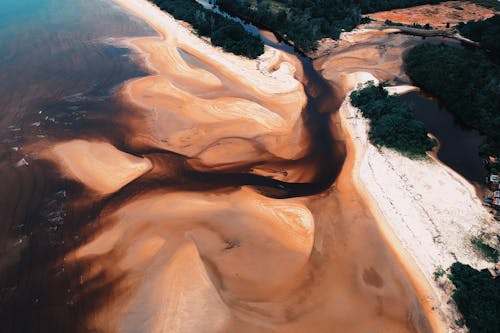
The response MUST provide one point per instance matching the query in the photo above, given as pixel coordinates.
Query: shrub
(477, 296)
(223, 32)
(489, 253)
(392, 123)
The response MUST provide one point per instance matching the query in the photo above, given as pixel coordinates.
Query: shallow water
(57, 75)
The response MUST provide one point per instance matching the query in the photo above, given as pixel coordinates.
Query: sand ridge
(233, 260)
(98, 165)
(203, 115)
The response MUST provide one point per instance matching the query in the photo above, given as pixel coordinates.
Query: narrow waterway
(459, 144)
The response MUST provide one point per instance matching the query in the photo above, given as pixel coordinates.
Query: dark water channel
(459, 144)
(327, 151)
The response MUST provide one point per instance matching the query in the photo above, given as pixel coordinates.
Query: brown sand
(98, 165)
(226, 110)
(234, 260)
(427, 230)
(436, 15)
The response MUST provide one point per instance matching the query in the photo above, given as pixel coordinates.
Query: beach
(427, 211)
(201, 256)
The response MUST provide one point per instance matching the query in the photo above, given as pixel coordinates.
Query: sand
(438, 16)
(226, 111)
(235, 240)
(426, 211)
(233, 260)
(429, 211)
(98, 165)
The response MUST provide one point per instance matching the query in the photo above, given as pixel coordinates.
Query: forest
(222, 31)
(304, 22)
(486, 33)
(392, 123)
(477, 296)
(466, 81)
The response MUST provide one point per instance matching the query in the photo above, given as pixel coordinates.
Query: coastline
(265, 89)
(425, 236)
(275, 79)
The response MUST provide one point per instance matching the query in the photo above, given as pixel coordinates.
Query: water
(57, 82)
(459, 145)
(59, 71)
(327, 149)
(57, 76)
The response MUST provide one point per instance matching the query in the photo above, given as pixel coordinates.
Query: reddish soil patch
(437, 16)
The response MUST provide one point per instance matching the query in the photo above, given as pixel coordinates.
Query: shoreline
(265, 89)
(413, 271)
(423, 288)
(420, 243)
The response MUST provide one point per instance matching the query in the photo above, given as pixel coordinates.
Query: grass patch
(488, 252)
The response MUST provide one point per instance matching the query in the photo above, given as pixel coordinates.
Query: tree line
(304, 22)
(486, 33)
(392, 122)
(222, 31)
(477, 296)
(466, 81)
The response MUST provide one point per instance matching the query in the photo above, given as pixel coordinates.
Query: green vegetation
(224, 32)
(477, 296)
(427, 26)
(486, 33)
(439, 272)
(489, 253)
(495, 4)
(371, 6)
(304, 22)
(392, 123)
(467, 82)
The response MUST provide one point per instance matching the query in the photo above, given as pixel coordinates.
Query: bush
(467, 82)
(439, 272)
(477, 296)
(223, 32)
(392, 123)
(486, 33)
(489, 253)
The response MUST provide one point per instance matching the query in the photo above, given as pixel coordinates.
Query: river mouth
(239, 239)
